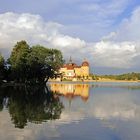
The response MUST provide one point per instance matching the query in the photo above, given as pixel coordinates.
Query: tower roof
(85, 63)
(70, 60)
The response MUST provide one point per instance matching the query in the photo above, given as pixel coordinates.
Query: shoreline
(104, 81)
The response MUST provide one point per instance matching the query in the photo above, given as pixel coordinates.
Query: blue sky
(98, 30)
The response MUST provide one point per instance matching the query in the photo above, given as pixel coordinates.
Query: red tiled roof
(71, 66)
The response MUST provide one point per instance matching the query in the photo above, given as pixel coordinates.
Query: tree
(18, 61)
(44, 63)
(36, 64)
(54, 61)
(2, 68)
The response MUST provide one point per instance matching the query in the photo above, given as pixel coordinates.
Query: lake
(71, 111)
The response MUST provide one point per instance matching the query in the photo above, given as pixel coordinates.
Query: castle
(72, 70)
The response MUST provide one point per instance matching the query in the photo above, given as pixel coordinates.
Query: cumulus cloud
(122, 46)
(70, 46)
(113, 51)
(15, 27)
(112, 54)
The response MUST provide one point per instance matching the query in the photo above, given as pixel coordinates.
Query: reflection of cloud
(124, 114)
(109, 106)
(68, 117)
(104, 105)
(119, 106)
(6, 126)
(36, 131)
(30, 132)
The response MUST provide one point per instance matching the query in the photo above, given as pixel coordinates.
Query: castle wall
(63, 71)
(85, 71)
(77, 71)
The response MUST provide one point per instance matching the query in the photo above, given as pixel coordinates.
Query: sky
(105, 32)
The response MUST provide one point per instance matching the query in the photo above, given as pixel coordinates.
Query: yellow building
(72, 70)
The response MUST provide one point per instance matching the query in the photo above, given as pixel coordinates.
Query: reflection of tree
(17, 107)
(1, 102)
(32, 104)
(3, 97)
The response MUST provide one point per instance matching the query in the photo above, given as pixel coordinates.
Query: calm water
(95, 111)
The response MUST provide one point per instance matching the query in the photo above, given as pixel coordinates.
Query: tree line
(127, 76)
(27, 64)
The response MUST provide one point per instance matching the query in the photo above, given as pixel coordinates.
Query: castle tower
(85, 68)
(70, 60)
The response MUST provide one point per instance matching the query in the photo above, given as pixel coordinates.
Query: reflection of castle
(71, 90)
(71, 70)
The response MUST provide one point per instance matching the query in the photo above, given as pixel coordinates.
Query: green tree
(2, 68)
(35, 64)
(44, 63)
(55, 59)
(18, 61)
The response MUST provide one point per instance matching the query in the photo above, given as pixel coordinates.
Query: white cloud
(70, 46)
(16, 27)
(105, 10)
(122, 47)
(67, 41)
(115, 51)
(112, 54)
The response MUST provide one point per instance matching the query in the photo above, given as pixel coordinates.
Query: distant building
(72, 70)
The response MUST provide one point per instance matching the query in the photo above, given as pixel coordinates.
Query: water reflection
(30, 104)
(101, 111)
(105, 102)
(71, 91)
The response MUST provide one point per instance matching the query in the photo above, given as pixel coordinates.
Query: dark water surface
(66, 111)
